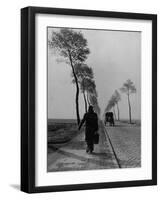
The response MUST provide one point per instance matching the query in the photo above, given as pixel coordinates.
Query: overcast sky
(115, 57)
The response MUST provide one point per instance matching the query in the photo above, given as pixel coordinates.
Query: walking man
(91, 123)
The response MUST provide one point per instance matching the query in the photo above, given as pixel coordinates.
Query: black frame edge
(27, 101)
(92, 13)
(24, 101)
(93, 186)
(154, 99)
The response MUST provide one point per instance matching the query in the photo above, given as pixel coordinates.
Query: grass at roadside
(61, 131)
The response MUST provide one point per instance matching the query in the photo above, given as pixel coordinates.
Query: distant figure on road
(109, 118)
(91, 122)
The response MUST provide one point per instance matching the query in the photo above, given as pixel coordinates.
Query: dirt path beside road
(73, 156)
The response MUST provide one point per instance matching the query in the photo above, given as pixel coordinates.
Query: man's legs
(90, 146)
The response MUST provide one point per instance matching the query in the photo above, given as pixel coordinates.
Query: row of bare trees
(87, 85)
(128, 88)
(114, 101)
(72, 47)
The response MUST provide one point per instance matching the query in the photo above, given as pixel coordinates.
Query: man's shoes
(87, 150)
(91, 151)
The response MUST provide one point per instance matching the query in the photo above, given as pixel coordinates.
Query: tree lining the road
(117, 99)
(87, 85)
(83, 72)
(113, 101)
(128, 88)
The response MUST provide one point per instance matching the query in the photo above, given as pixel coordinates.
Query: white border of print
(94, 176)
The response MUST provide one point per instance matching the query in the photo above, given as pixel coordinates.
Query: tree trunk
(77, 90)
(88, 100)
(114, 112)
(85, 101)
(118, 112)
(128, 97)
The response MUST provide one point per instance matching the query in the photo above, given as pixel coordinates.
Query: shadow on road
(99, 158)
(77, 145)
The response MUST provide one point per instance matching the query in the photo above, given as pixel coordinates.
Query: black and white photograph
(93, 99)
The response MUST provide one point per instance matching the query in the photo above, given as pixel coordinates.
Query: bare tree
(94, 103)
(87, 85)
(72, 46)
(128, 88)
(90, 89)
(84, 73)
(111, 105)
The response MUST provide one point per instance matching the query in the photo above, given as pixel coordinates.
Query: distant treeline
(128, 88)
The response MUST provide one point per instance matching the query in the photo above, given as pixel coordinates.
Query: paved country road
(126, 141)
(124, 151)
(73, 156)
